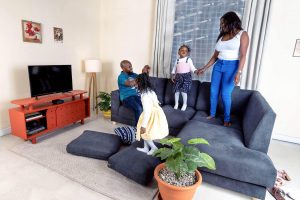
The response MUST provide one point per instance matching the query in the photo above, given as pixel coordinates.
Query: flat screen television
(49, 79)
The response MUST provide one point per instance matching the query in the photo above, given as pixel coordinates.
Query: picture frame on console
(31, 31)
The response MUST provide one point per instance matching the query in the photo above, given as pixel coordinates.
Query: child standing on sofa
(152, 123)
(181, 75)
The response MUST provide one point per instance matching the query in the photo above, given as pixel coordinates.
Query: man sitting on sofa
(128, 93)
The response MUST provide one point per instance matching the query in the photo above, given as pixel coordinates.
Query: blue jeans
(134, 103)
(222, 81)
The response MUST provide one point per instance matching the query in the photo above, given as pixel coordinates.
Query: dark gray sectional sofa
(240, 151)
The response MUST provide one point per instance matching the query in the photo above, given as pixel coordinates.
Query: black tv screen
(48, 79)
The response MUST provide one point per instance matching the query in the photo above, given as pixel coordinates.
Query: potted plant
(104, 103)
(178, 178)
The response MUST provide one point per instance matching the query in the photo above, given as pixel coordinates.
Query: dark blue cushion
(159, 85)
(126, 133)
(233, 159)
(94, 144)
(134, 164)
(177, 118)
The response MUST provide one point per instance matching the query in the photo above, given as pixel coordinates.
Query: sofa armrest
(258, 123)
(115, 101)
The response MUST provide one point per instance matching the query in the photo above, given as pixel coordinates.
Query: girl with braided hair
(152, 123)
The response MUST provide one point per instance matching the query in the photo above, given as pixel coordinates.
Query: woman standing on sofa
(228, 59)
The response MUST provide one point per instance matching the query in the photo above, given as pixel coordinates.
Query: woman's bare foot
(227, 123)
(210, 117)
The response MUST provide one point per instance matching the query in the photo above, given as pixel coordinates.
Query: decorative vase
(171, 192)
(106, 114)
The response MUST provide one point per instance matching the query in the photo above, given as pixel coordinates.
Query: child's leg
(184, 97)
(176, 100)
(145, 149)
(152, 146)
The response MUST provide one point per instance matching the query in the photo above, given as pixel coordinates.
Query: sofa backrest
(159, 86)
(203, 99)
(240, 99)
(192, 95)
(258, 122)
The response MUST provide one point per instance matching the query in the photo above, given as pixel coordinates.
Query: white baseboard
(286, 138)
(5, 131)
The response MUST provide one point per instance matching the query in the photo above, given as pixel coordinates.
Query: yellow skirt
(157, 127)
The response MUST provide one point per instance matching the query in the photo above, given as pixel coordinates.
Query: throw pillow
(126, 133)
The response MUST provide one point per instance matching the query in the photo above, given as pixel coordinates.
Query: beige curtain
(163, 38)
(255, 22)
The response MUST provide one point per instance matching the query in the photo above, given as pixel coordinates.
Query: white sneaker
(151, 151)
(145, 149)
(183, 107)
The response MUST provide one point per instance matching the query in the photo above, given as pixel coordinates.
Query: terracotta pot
(106, 114)
(171, 192)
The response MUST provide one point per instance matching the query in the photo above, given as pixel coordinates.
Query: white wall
(80, 22)
(127, 28)
(279, 80)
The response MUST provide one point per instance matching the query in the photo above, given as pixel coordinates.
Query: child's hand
(173, 78)
(200, 71)
(146, 69)
(142, 130)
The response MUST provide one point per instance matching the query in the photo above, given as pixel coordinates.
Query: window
(197, 24)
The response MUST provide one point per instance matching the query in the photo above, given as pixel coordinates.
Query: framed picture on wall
(297, 48)
(58, 34)
(32, 31)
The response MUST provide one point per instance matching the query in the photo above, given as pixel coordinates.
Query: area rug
(50, 151)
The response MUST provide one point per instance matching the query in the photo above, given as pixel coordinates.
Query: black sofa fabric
(134, 164)
(240, 151)
(94, 144)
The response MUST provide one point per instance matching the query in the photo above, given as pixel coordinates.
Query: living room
(112, 31)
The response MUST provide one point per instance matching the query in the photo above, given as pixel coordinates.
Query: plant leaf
(173, 140)
(204, 160)
(198, 141)
(192, 166)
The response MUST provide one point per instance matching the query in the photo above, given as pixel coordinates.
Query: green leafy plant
(104, 101)
(183, 159)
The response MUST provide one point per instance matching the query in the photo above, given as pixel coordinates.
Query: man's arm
(130, 82)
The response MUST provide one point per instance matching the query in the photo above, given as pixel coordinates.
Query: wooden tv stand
(36, 117)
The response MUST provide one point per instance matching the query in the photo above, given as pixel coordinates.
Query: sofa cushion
(192, 95)
(219, 135)
(94, 144)
(203, 99)
(177, 118)
(258, 122)
(236, 121)
(126, 133)
(126, 112)
(233, 159)
(134, 164)
(159, 86)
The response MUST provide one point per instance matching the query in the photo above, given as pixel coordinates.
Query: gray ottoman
(94, 144)
(134, 164)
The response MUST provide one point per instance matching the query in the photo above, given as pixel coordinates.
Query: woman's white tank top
(230, 49)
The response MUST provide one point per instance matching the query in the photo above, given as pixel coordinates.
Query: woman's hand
(173, 78)
(200, 71)
(237, 78)
(142, 130)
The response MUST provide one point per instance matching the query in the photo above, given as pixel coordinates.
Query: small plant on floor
(104, 101)
(182, 160)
